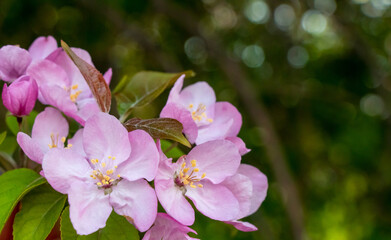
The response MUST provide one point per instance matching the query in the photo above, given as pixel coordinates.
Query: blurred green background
(310, 77)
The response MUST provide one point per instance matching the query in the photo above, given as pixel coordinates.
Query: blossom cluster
(103, 167)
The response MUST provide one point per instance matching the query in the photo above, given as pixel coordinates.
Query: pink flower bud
(19, 97)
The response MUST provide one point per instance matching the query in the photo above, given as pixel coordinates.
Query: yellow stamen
(196, 169)
(191, 105)
(115, 166)
(193, 163)
(183, 165)
(99, 183)
(63, 139)
(109, 157)
(113, 158)
(200, 185)
(75, 86)
(210, 120)
(110, 171)
(185, 170)
(103, 164)
(118, 175)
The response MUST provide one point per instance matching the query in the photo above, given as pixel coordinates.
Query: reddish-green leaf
(94, 79)
(161, 128)
(142, 88)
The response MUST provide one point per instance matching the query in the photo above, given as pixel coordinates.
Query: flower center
(104, 174)
(75, 93)
(199, 113)
(184, 178)
(54, 141)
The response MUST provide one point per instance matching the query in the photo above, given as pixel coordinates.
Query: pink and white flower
(203, 118)
(111, 176)
(167, 228)
(249, 185)
(50, 130)
(198, 176)
(62, 85)
(14, 61)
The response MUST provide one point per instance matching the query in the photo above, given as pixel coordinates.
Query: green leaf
(7, 162)
(9, 145)
(2, 136)
(41, 208)
(170, 150)
(94, 79)
(161, 128)
(12, 123)
(14, 185)
(117, 227)
(142, 89)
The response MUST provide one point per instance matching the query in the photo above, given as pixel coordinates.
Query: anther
(193, 163)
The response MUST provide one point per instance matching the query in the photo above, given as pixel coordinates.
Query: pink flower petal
(87, 108)
(105, 137)
(64, 168)
(143, 160)
(30, 147)
(107, 76)
(179, 113)
(218, 159)
(214, 201)
(243, 226)
(260, 185)
(226, 123)
(137, 200)
(45, 72)
(77, 143)
(173, 201)
(89, 208)
(13, 62)
(240, 145)
(242, 188)
(42, 47)
(166, 227)
(175, 90)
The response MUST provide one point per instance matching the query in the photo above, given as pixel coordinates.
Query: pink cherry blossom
(62, 85)
(167, 228)
(249, 185)
(203, 118)
(198, 176)
(50, 130)
(20, 96)
(14, 60)
(107, 174)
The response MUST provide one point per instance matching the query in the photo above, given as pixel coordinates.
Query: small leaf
(14, 185)
(94, 79)
(143, 88)
(117, 227)
(41, 208)
(7, 162)
(2, 136)
(161, 128)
